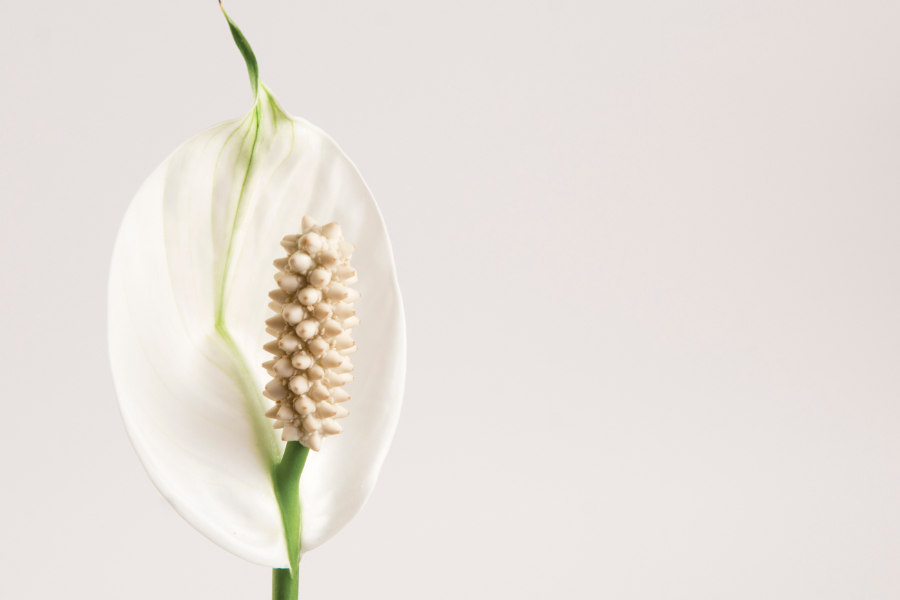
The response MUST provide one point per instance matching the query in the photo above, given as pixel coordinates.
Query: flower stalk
(286, 477)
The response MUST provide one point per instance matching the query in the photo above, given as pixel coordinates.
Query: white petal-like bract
(188, 295)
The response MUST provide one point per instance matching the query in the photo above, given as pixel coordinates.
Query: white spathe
(188, 296)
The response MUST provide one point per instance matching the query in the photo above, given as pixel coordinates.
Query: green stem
(286, 478)
(284, 587)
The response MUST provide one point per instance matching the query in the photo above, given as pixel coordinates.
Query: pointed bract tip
(247, 52)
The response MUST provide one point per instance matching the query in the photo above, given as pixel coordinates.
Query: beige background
(649, 252)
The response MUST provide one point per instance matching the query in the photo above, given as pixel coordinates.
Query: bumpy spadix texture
(312, 330)
(188, 296)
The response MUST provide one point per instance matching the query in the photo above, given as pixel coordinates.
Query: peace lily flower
(189, 310)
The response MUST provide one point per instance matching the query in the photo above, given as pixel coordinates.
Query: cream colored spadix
(188, 298)
(310, 345)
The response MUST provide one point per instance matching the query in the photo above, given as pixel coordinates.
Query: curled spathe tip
(246, 51)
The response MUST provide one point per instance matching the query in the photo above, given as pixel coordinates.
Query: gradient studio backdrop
(649, 253)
